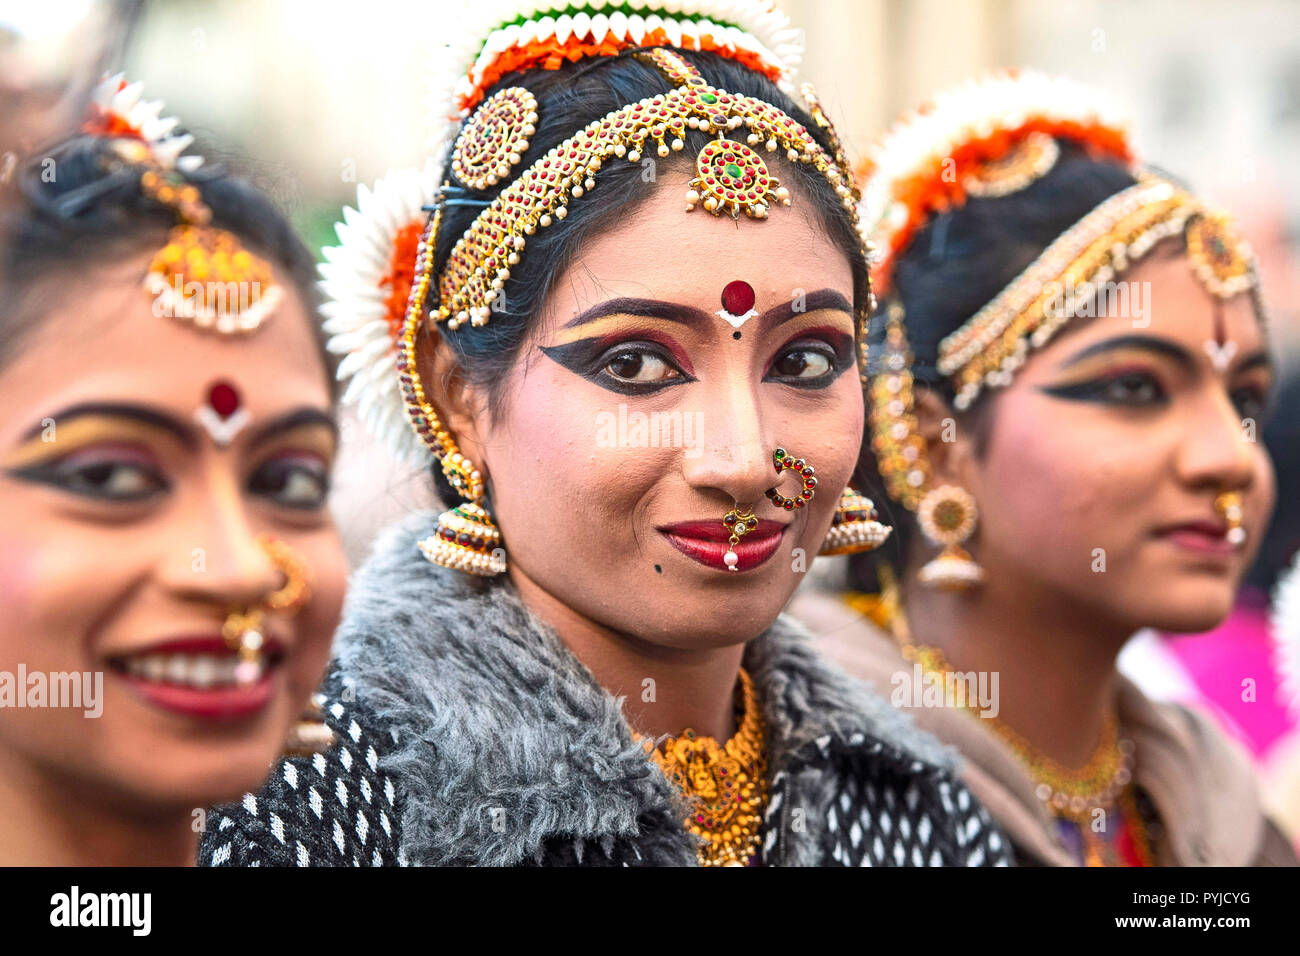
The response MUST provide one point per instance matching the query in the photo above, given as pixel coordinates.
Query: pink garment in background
(1218, 661)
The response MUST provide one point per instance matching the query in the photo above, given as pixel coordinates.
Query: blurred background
(308, 99)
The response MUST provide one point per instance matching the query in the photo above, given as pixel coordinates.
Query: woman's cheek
(316, 625)
(52, 589)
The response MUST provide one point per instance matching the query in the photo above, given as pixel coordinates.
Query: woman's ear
(949, 448)
(459, 404)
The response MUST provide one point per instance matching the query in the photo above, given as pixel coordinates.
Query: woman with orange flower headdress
(1068, 364)
(594, 320)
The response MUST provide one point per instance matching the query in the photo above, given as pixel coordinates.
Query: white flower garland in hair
(118, 108)
(361, 327)
(917, 145)
(357, 319)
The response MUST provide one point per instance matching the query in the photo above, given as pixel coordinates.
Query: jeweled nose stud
(1228, 504)
(739, 522)
(783, 461)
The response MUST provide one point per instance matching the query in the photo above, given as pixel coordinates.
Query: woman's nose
(734, 452)
(216, 555)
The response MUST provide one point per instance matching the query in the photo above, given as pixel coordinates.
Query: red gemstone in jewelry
(223, 399)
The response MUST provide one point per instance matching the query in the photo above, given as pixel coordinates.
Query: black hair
(568, 99)
(79, 203)
(952, 268)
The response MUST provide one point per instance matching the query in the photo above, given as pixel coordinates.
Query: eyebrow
(140, 413)
(295, 419)
(1151, 343)
(690, 315)
(180, 430)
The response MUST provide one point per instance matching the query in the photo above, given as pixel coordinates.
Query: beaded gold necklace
(725, 786)
(1069, 793)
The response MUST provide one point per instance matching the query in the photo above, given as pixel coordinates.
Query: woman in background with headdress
(170, 576)
(653, 403)
(1068, 368)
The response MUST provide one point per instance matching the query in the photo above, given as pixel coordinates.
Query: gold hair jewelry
(994, 342)
(467, 539)
(202, 275)
(895, 439)
(739, 521)
(1221, 259)
(947, 516)
(730, 176)
(724, 786)
(807, 480)
(1030, 159)
(495, 138)
(1228, 505)
(855, 528)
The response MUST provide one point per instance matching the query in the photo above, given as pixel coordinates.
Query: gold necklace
(725, 786)
(1067, 792)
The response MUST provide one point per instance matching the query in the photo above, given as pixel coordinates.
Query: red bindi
(223, 399)
(738, 297)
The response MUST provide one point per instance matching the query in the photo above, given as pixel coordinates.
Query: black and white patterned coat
(468, 734)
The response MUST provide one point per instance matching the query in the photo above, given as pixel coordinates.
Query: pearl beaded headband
(730, 175)
(988, 349)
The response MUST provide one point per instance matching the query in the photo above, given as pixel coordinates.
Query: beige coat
(1202, 785)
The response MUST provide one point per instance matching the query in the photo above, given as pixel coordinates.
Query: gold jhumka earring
(467, 539)
(855, 528)
(947, 515)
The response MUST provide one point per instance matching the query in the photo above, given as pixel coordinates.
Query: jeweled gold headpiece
(733, 176)
(203, 275)
(1007, 127)
(730, 176)
(380, 280)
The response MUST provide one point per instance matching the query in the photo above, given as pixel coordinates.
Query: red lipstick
(707, 542)
(1200, 537)
(195, 676)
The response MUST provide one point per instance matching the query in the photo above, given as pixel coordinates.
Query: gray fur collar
(506, 742)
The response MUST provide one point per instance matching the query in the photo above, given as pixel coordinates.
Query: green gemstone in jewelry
(708, 97)
(732, 170)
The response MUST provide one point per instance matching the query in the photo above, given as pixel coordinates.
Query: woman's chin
(709, 627)
(1190, 607)
(196, 781)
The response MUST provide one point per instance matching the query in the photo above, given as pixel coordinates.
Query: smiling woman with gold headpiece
(169, 574)
(1069, 365)
(619, 317)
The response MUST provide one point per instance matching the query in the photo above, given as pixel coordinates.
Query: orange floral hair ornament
(203, 275)
(986, 137)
